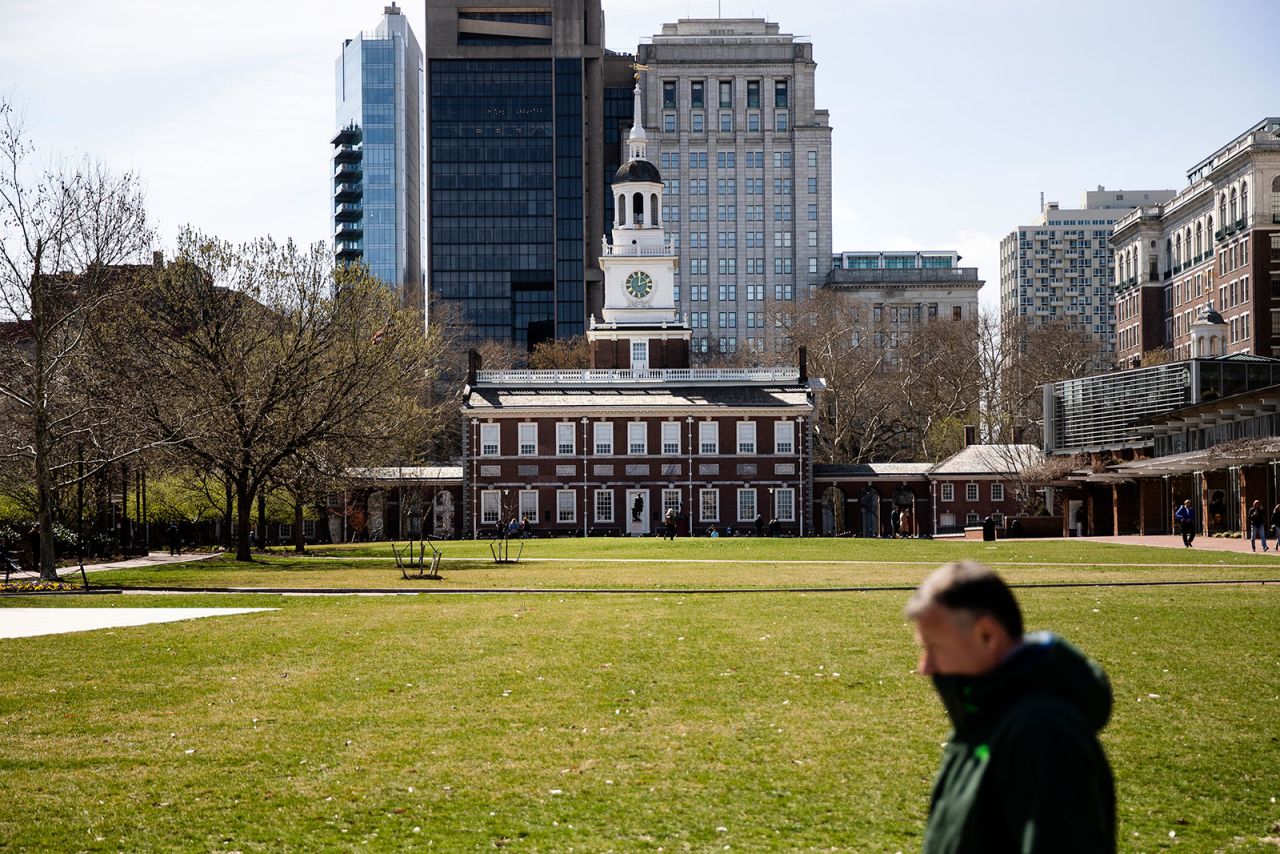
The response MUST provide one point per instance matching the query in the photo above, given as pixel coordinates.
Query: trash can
(988, 530)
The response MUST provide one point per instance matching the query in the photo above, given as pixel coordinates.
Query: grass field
(756, 720)
(706, 563)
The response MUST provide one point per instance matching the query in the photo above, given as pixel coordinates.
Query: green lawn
(762, 721)
(702, 563)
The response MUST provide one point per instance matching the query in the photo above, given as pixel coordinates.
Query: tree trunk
(226, 517)
(299, 539)
(262, 519)
(244, 513)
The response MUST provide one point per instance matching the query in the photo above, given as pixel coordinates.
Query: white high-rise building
(1060, 271)
(746, 161)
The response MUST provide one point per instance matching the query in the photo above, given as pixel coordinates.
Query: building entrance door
(638, 512)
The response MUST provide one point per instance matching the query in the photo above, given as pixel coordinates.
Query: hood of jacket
(1044, 665)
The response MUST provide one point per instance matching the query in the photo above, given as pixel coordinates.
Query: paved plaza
(31, 622)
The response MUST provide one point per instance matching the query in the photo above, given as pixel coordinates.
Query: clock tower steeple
(641, 328)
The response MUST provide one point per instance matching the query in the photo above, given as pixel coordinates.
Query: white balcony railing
(625, 377)
(640, 250)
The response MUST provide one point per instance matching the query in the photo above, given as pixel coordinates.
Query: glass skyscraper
(377, 157)
(514, 177)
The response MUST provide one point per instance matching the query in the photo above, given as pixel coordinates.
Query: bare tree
(66, 237)
(261, 352)
(561, 354)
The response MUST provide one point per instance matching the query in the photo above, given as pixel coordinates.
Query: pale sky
(950, 117)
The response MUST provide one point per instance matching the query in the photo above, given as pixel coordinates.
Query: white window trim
(524, 428)
(711, 428)
(487, 432)
(948, 492)
(702, 510)
(784, 430)
(994, 488)
(777, 505)
(644, 438)
(522, 510)
(744, 428)
(670, 430)
(600, 518)
(755, 504)
(573, 507)
(972, 489)
(668, 493)
(568, 428)
(603, 429)
(490, 499)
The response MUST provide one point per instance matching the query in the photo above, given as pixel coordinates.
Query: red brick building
(614, 449)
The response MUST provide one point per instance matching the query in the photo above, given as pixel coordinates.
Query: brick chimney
(803, 357)
(970, 435)
(474, 363)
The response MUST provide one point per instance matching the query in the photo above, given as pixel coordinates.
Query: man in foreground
(1023, 770)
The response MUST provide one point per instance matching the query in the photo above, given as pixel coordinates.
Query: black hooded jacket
(1024, 771)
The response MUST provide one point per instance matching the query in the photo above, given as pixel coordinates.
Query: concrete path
(30, 622)
(1202, 543)
(152, 559)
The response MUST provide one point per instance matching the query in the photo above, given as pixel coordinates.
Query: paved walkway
(152, 559)
(1202, 543)
(30, 622)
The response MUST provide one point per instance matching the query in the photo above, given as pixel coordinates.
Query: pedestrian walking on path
(1258, 526)
(1186, 519)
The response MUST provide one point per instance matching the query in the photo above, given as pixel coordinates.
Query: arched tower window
(1199, 239)
(1275, 200)
(637, 209)
(1244, 200)
(1232, 209)
(1177, 251)
(622, 210)
(1222, 210)
(1168, 254)
(655, 216)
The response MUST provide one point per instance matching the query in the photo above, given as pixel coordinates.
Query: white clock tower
(641, 328)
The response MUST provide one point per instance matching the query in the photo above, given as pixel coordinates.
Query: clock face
(639, 285)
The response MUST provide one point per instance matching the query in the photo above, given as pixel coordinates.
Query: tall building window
(697, 95)
(708, 437)
(668, 94)
(604, 438)
(784, 505)
(708, 505)
(753, 94)
(746, 437)
(528, 504)
(746, 505)
(780, 94)
(948, 492)
(971, 492)
(784, 437)
(604, 506)
(565, 443)
(670, 437)
(566, 506)
(726, 94)
(489, 440)
(528, 439)
(490, 506)
(637, 442)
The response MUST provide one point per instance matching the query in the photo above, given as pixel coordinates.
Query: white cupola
(1208, 333)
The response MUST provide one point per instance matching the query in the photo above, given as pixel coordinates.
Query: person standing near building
(1023, 770)
(175, 539)
(1275, 525)
(1258, 526)
(1186, 519)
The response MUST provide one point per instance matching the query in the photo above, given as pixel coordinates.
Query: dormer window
(639, 355)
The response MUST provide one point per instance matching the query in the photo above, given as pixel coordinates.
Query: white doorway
(637, 506)
(639, 355)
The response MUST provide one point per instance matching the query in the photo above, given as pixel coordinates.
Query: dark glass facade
(619, 109)
(506, 215)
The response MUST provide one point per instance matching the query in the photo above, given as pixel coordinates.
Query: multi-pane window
(639, 355)
(637, 442)
(753, 122)
(670, 501)
(756, 292)
(564, 439)
(604, 438)
(726, 122)
(698, 122)
(780, 93)
(604, 505)
(746, 437)
(812, 184)
(782, 186)
(708, 505)
(528, 504)
(753, 94)
(726, 159)
(528, 439)
(971, 492)
(708, 437)
(784, 505)
(813, 159)
(783, 292)
(727, 239)
(490, 506)
(782, 160)
(670, 437)
(781, 121)
(669, 123)
(948, 492)
(726, 186)
(727, 292)
(566, 506)
(726, 94)
(697, 160)
(746, 505)
(728, 320)
(489, 440)
(782, 239)
(784, 437)
(698, 94)
(668, 94)
(997, 492)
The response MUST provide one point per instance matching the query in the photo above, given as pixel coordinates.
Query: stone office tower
(515, 178)
(746, 156)
(377, 179)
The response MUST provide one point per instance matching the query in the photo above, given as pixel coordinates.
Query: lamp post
(585, 421)
(689, 421)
